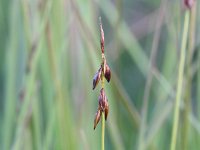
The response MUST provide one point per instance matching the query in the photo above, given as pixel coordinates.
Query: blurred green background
(50, 50)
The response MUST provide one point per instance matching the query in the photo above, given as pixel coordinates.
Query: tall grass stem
(102, 132)
(180, 81)
(188, 94)
(102, 122)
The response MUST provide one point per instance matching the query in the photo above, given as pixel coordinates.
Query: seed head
(103, 72)
(102, 108)
(102, 100)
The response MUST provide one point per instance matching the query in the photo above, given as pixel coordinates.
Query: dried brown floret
(96, 78)
(107, 73)
(97, 118)
(102, 108)
(106, 110)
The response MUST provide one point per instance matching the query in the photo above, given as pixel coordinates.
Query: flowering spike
(102, 73)
(102, 36)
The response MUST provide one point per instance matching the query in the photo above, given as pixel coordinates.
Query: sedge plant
(102, 74)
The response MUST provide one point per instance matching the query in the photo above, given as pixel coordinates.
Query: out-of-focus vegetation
(50, 50)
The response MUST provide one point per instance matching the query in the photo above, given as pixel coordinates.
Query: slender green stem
(180, 81)
(102, 120)
(102, 131)
(187, 100)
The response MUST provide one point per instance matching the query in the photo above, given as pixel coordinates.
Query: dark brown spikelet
(189, 3)
(96, 78)
(106, 110)
(107, 73)
(103, 103)
(102, 100)
(97, 118)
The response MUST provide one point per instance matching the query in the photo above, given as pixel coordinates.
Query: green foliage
(50, 50)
